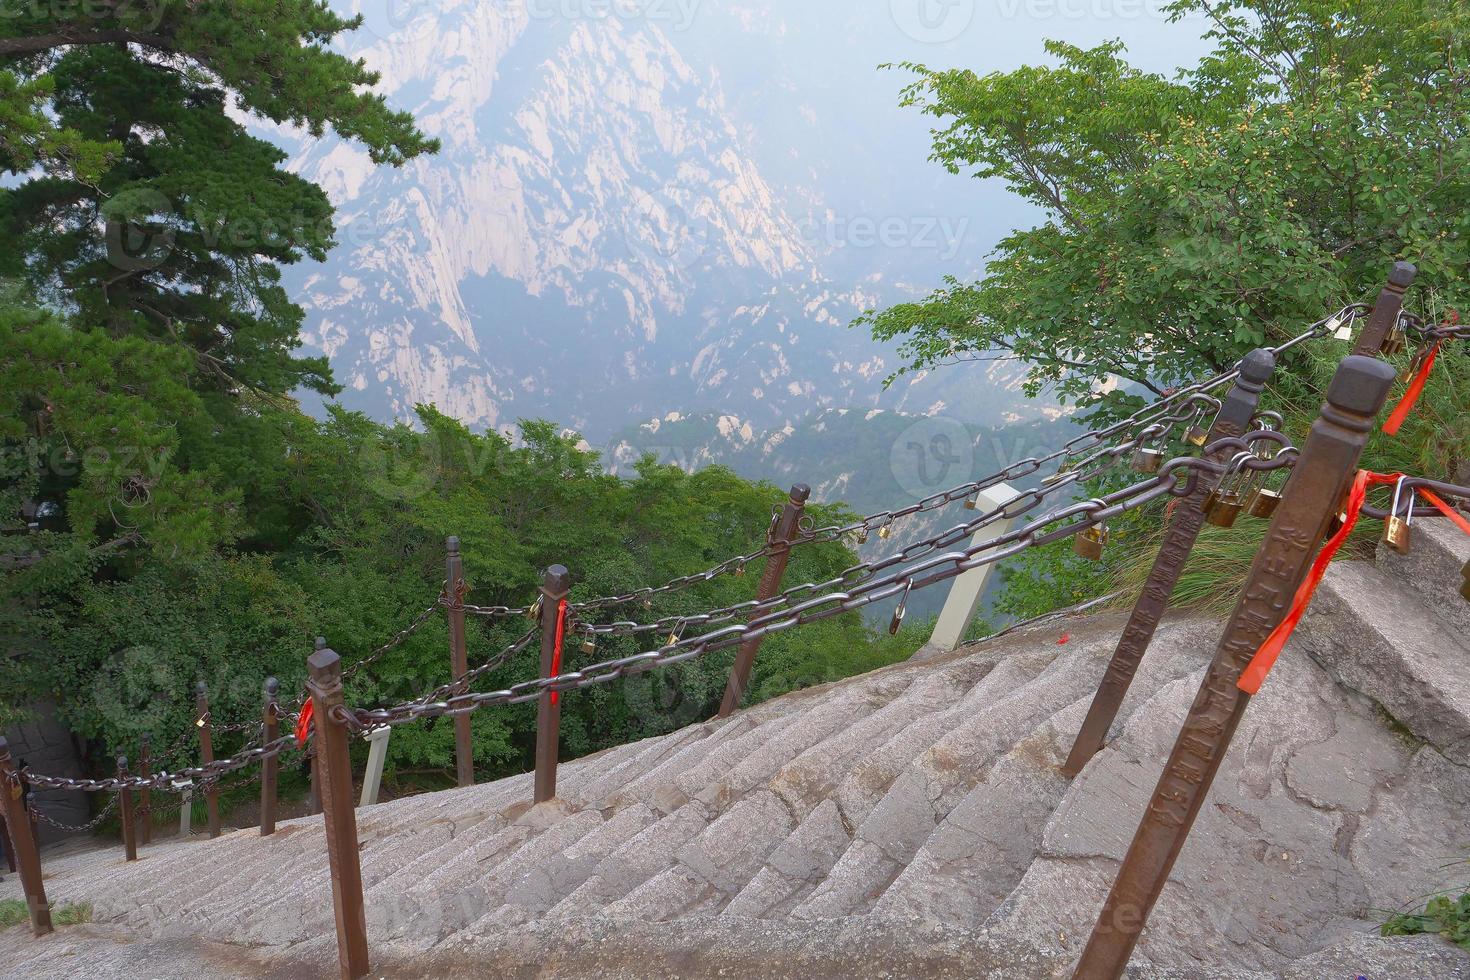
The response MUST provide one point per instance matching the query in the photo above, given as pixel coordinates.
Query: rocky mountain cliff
(595, 243)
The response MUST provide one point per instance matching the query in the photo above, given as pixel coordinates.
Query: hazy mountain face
(647, 207)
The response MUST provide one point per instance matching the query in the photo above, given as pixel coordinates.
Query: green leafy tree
(1188, 220)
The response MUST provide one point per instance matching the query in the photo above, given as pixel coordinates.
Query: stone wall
(46, 745)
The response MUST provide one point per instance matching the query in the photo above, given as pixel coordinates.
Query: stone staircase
(914, 821)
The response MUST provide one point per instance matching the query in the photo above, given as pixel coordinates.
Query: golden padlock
(1415, 363)
(900, 610)
(1197, 435)
(589, 645)
(1058, 476)
(885, 532)
(533, 612)
(1396, 341)
(1398, 535)
(1262, 503)
(972, 503)
(1089, 544)
(1222, 508)
(862, 536)
(1148, 460)
(740, 571)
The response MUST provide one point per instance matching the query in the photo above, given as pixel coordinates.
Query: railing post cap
(272, 686)
(1361, 384)
(321, 660)
(1403, 274)
(4, 746)
(557, 580)
(451, 544)
(122, 762)
(321, 643)
(146, 739)
(1257, 366)
(800, 492)
(201, 689)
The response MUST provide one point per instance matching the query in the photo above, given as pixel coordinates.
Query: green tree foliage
(1189, 220)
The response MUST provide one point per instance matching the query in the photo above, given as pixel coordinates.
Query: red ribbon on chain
(561, 622)
(1411, 394)
(1445, 509)
(1255, 672)
(303, 722)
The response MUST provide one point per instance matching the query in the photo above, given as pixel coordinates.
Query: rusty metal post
(464, 759)
(313, 755)
(1313, 496)
(554, 588)
(271, 764)
(1385, 313)
(23, 842)
(126, 814)
(1231, 421)
(783, 532)
(206, 755)
(325, 670)
(145, 797)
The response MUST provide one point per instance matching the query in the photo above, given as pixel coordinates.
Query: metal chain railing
(783, 612)
(1018, 506)
(82, 828)
(1152, 414)
(161, 780)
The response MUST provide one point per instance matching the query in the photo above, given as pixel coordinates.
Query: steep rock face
(921, 807)
(594, 244)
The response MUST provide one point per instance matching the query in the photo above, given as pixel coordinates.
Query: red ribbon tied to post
(1255, 672)
(303, 722)
(561, 622)
(1416, 387)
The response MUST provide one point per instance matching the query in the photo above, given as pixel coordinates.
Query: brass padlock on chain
(901, 610)
(1396, 340)
(885, 532)
(1227, 500)
(589, 645)
(1222, 508)
(1147, 459)
(1398, 532)
(1090, 543)
(1058, 476)
(1197, 435)
(533, 611)
(1262, 503)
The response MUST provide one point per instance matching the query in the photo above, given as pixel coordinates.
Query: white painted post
(964, 595)
(372, 780)
(186, 809)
